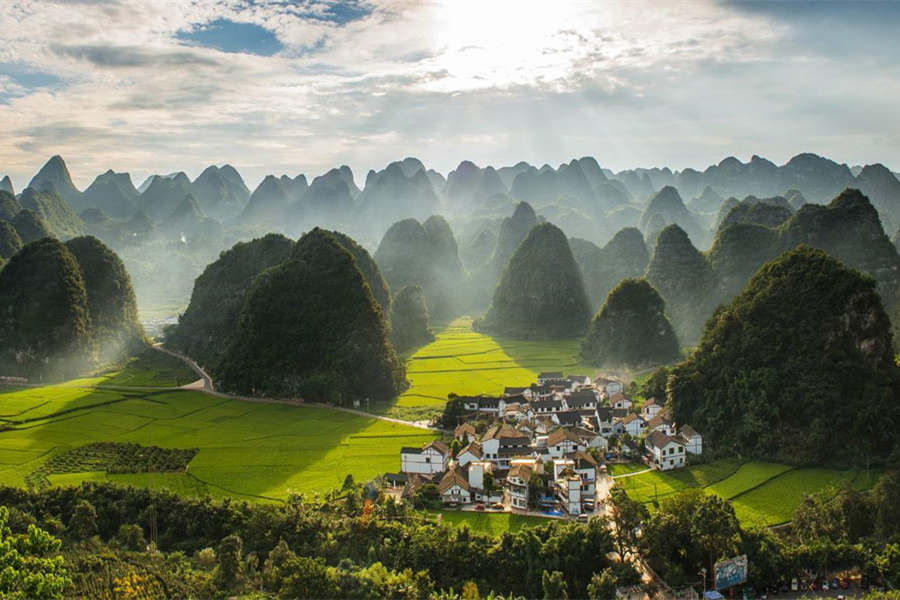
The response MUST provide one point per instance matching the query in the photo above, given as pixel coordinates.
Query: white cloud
(499, 81)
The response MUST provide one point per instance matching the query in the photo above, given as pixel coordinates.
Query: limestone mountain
(541, 292)
(366, 264)
(738, 250)
(425, 254)
(508, 174)
(110, 299)
(513, 230)
(10, 242)
(708, 201)
(631, 330)
(6, 185)
(624, 256)
(30, 226)
(805, 327)
(310, 327)
(54, 177)
(568, 185)
(476, 252)
(330, 197)
(666, 208)
(409, 320)
(164, 195)
(468, 186)
(44, 313)
(206, 327)
(113, 193)
(268, 204)
(54, 211)
(796, 199)
(9, 206)
(188, 222)
(685, 280)
(391, 195)
(296, 187)
(849, 229)
(220, 192)
(883, 190)
(769, 212)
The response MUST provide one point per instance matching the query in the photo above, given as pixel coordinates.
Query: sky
(299, 86)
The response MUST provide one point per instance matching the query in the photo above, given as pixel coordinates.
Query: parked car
(479, 507)
(497, 506)
(795, 585)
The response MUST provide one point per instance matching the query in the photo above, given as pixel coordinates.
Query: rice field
(762, 493)
(464, 362)
(249, 450)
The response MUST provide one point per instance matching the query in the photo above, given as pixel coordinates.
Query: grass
(250, 450)
(761, 493)
(152, 369)
(465, 362)
(491, 523)
(625, 468)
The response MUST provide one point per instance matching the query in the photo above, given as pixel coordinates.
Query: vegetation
(45, 328)
(54, 211)
(31, 226)
(10, 242)
(624, 256)
(805, 327)
(353, 546)
(409, 323)
(208, 324)
(310, 327)
(631, 329)
(541, 293)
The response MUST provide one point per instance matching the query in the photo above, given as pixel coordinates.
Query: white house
(516, 484)
(620, 400)
(581, 400)
(563, 441)
(484, 404)
(609, 386)
(633, 425)
(663, 423)
(693, 441)
(476, 477)
(431, 458)
(465, 433)
(650, 409)
(568, 490)
(454, 488)
(666, 452)
(586, 468)
(470, 453)
(546, 406)
(551, 378)
(578, 381)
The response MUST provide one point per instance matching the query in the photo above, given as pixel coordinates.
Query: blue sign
(731, 572)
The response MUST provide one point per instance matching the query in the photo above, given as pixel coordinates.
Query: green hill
(310, 327)
(45, 327)
(631, 330)
(370, 271)
(409, 322)
(685, 280)
(111, 302)
(541, 293)
(206, 327)
(800, 359)
(53, 209)
(624, 256)
(9, 206)
(10, 242)
(425, 254)
(31, 226)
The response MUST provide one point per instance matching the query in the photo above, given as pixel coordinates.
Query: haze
(152, 86)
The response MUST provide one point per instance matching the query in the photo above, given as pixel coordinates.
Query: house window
(427, 459)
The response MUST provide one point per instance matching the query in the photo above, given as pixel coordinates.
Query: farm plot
(656, 485)
(243, 449)
(465, 362)
(491, 523)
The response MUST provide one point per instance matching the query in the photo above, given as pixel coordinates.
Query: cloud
(302, 85)
(131, 56)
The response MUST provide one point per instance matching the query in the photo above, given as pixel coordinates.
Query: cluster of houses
(542, 438)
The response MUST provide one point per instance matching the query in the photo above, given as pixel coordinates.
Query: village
(544, 449)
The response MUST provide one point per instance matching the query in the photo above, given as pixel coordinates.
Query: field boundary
(762, 483)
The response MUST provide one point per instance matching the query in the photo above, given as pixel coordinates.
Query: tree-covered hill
(631, 330)
(10, 242)
(45, 323)
(624, 256)
(795, 367)
(206, 327)
(425, 254)
(111, 302)
(409, 322)
(31, 226)
(685, 280)
(541, 292)
(370, 271)
(9, 206)
(53, 209)
(310, 327)
(113, 193)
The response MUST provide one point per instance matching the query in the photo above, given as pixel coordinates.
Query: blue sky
(285, 86)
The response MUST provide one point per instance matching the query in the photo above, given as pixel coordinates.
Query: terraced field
(466, 362)
(492, 523)
(245, 449)
(761, 493)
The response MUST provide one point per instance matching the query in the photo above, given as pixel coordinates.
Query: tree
(228, 558)
(554, 585)
(470, 591)
(348, 482)
(84, 520)
(427, 496)
(602, 586)
(455, 447)
(31, 566)
(131, 537)
(628, 515)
